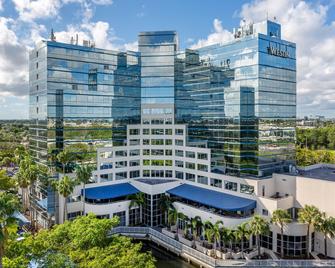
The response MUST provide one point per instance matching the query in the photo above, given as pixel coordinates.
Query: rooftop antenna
(52, 35)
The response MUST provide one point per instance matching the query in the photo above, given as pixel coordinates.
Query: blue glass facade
(239, 99)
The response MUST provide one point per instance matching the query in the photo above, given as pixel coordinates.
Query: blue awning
(212, 198)
(110, 191)
(22, 219)
(43, 203)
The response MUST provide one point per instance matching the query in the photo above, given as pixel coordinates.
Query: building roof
(154, 181)
(322, 173)
(110, 191)
(213, 198)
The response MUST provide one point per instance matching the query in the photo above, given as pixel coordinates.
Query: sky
(114, 24)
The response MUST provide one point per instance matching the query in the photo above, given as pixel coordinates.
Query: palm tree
(229, 237)
(65, 157)
(217, 233)
(137, 200)
(209, 232)
(242, 232)
(7, 183)
(258, 227)
(165, 204)
(65, 187)
(8, 205)
(327, 227)
(184, 218)
(311, 216)
(281, 217)
(83, 174)
(172, 216)
(20, 153)
(195, 225)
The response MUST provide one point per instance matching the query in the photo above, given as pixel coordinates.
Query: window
(157, 152)
(146, 142)
(157, 142)
(190, 177)
(179, 153)
(36, 65)
(202, 180)
(266, 241)
(168, 131)
(37, 87)
(120, 153)
(134, 174)
(216, 182)
(74, 87)
(134, 131)
(146, 131)
(36, 54)
(190, 154)
(293, 245)
(37, 76)
(168, 152)
(179, 131)
(134, 163)
(246, 189)
(168, 163)
(202, 167)
(157, 131)
(179, 142)
(146, 152)
(37, 110)
(122, 217)
(232, 186)
(134, 142)
(146, 162)
(168, 173)
(190, 165)
(179, 163)
(168, 142)
(146, 173)
(202, 156)
(120, 164)
(146, 122)
(134, 152)
(179, 175)
(157, 162)
(120, 175)
(265, 212)
(157, 121)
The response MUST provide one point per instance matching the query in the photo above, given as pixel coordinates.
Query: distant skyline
(115, 25)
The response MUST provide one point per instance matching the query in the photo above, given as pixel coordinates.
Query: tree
(6, 162)
(6, 183)
(65, 157)
(172, 216)
(165, 203)
(195, 225)
(84, 242)
(217, 233)
(242, 232)
(258, 226)
(83, 174)
(138, 200)
(281, 217)
(311, 216)
(8, 205)
(209, 233)
(326, 226)
(65, 187)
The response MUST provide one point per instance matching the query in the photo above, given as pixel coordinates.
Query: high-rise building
(237, 99)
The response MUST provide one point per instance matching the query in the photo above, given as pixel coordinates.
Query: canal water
(164, 258)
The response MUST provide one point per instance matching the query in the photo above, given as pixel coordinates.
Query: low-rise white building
(157, 161)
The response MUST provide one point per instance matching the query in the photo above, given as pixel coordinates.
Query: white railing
(180, 248)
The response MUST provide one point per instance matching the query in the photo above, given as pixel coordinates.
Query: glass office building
(237, 98)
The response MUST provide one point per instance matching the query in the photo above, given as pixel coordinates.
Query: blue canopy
(110, 191)
(43, 203)
(212, 198)
(21, 218)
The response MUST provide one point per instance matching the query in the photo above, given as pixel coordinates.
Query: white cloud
(219, 35)
(305, 24)
(14, 61)
(1, 5)
(37, 9)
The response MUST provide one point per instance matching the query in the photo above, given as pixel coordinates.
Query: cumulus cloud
(13, 58)
(305, 24)
(219, 35)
